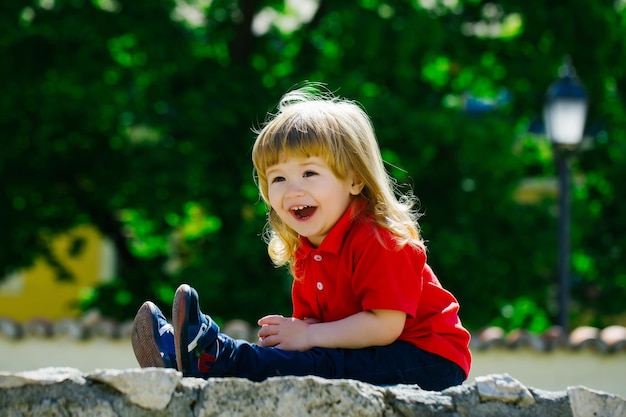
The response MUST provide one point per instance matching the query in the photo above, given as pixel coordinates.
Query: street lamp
(564, 115)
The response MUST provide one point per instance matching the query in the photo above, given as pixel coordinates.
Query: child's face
(308, 197)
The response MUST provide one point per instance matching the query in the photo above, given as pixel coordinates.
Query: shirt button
(320, 286)
(318, 258)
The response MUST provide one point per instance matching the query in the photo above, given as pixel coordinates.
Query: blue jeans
(398, 363)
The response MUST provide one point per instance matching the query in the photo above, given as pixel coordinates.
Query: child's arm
(364, 329)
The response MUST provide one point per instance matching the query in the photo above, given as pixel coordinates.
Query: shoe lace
(166, 328)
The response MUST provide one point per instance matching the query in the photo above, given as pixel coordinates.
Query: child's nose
(295, 189)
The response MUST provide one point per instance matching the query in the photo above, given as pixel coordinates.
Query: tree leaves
(136, 117)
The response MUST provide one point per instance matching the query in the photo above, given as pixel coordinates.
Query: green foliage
(136, 117)
(522, 313)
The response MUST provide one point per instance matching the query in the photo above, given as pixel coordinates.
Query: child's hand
(285, 333)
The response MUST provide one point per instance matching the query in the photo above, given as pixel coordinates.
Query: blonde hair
(311, 121)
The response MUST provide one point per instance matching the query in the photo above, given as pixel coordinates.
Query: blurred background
(126, 131)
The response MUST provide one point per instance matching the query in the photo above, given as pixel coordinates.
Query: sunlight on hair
(310, 120)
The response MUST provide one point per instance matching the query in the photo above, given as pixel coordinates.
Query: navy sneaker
(196, 341)
(153, 338)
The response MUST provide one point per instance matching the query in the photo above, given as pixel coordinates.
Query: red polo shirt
(358, 268)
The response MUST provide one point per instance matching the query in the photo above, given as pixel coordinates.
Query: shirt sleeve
(389, 277)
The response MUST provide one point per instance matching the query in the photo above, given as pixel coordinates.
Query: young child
(366, 305)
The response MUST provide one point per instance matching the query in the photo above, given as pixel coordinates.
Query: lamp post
(564, 115)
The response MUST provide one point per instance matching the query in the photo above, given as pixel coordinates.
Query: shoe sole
(143, 338)
(180, 320)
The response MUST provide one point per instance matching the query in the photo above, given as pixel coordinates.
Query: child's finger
(271, 319)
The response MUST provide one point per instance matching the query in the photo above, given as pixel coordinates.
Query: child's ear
(357, 185)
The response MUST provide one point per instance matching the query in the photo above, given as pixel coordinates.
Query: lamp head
(565, 110)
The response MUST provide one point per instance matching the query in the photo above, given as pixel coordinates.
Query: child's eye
(278, 179)
(309, 173)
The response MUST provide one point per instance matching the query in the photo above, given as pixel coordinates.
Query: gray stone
(504, 388)
(150, 388)
(290, 396)
(408, 400)
(586, 402)
(41, 376)
(154, 392)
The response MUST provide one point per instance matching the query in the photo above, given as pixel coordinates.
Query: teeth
(299, 208)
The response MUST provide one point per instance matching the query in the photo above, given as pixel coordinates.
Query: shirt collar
(334, 239)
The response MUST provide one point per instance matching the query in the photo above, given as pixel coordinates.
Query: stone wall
(163, 392)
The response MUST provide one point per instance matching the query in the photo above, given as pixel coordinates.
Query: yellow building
(36, 292)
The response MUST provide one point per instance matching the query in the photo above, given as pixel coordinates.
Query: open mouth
(303, 212)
